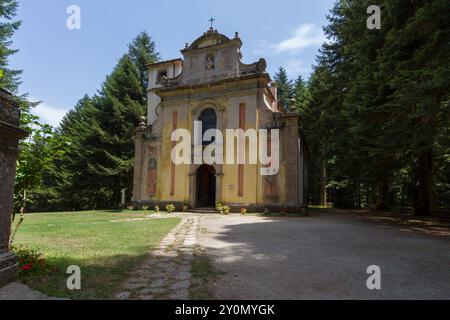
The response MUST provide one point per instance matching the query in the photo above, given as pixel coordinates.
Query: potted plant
(185, 206)
(145, 208)
(266, 211)
(157, 209)
(243, 211)
(219, 208)
(226, 210)
(170, 208)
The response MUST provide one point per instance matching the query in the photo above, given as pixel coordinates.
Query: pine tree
(142, 51)
(381, 98)
(284, 85)
(123, 103)
(73, 175)
(301, 93)
(416, 58)
(9, 79)
(97, 162)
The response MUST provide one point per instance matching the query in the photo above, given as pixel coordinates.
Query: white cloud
(296, 67)
(305, 35)
(48, 114)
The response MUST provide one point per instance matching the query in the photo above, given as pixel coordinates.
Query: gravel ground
(324, 256)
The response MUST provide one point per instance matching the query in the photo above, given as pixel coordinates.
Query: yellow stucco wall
(187, 113)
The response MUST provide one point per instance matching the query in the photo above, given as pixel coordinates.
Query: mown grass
(102, 243)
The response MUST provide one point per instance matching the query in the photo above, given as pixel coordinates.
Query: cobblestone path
(166, 273)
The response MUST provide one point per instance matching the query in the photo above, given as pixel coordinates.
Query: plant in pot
(226, 210)
(219, 208)
(266, 211)
(170, 208)
(157, 208)
(185, 206)
(243, 211)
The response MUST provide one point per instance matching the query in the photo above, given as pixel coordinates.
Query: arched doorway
(206, 187)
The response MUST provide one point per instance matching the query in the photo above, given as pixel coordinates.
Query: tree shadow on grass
(99, 279)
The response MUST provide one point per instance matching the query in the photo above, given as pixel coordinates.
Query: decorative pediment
(208, 39)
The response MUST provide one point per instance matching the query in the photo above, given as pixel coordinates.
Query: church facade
(212, 86)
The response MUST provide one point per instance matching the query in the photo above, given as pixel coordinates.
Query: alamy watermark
(374, 20)
(73, 21)
(374, 281)
(260, 142)
(74, 280)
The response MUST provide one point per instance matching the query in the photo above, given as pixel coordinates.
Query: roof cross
(212, 21)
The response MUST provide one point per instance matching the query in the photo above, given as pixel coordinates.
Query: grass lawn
(104, 250)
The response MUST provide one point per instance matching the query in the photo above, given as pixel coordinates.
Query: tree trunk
(323, 180)
(382, 193)
(358, 196)
(424, 183)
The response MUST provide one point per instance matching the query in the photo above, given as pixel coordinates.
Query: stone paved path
(166, 272)
(19, 291)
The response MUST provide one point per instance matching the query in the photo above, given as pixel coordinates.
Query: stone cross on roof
(212, 21)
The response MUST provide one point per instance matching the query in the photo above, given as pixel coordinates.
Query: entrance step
(203, 210)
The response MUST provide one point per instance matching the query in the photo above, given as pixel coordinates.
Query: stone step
(7, 259)
(204, 210)
(8, 268)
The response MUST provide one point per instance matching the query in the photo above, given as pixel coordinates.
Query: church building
(212, 85)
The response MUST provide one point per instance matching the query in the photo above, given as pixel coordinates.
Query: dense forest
(92, 149)
(375, 113)
(376, 109)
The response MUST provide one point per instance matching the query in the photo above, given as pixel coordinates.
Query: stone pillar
(10, 134)
(291, 159)
(139, 153)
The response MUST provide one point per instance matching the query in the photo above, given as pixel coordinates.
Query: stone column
(192, 187)
(291, 159)
(219, 187)
(139, 152)
(10, 134)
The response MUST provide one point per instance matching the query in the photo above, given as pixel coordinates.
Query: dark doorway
(206, 187)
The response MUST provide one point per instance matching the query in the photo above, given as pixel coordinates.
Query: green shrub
(170, 208)
(226, 209)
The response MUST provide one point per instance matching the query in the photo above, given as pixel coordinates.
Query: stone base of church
(8, 268)
(234, 207)
(257, 208)
(139, 204)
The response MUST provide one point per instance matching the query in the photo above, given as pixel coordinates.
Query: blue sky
(61, 65)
